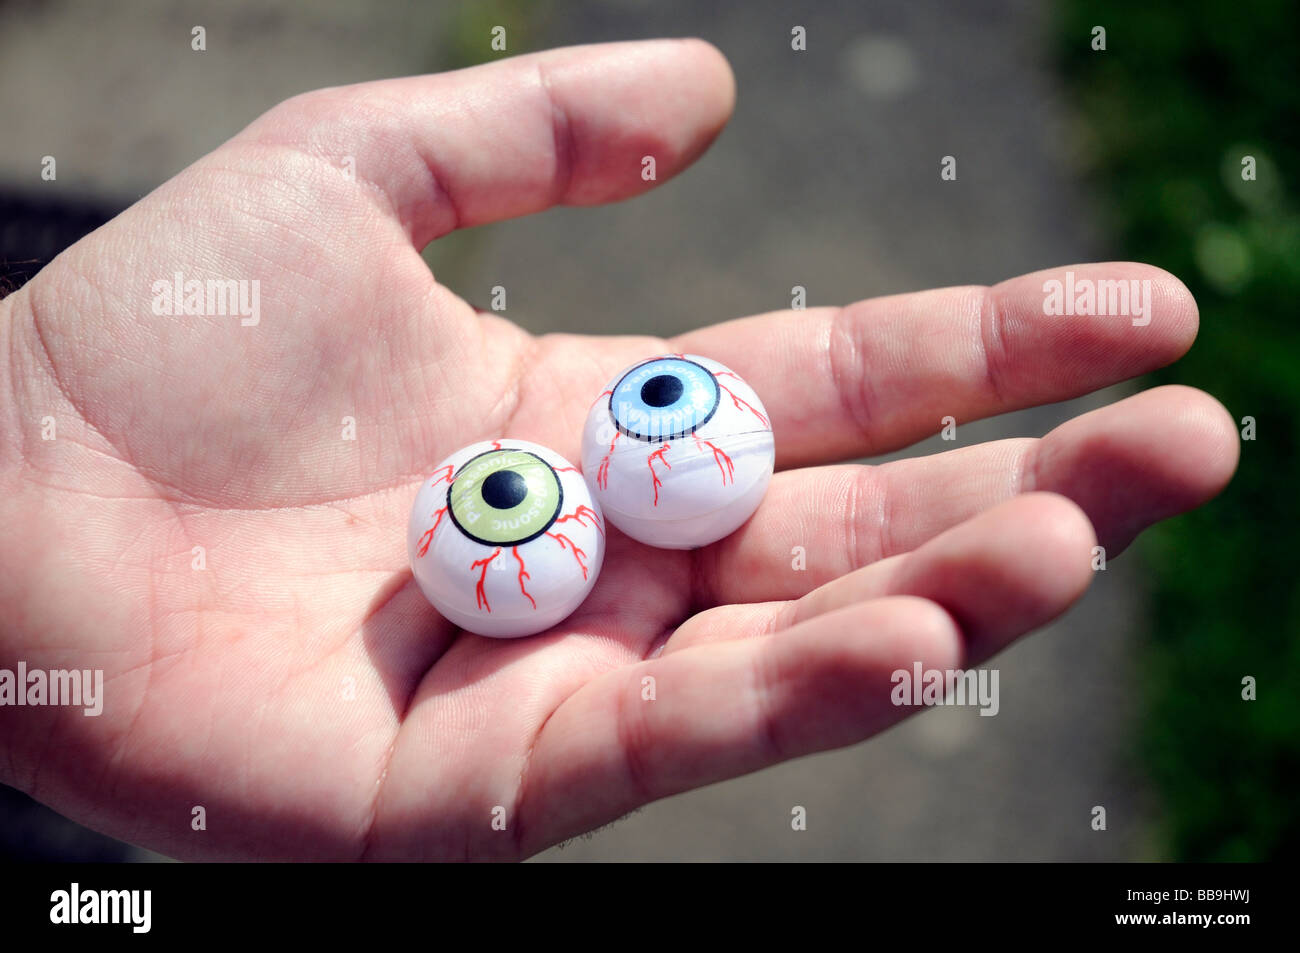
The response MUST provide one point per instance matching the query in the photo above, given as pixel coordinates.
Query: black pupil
(661, 391)
(504, 489)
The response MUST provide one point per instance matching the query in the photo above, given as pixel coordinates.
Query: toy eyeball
(678, 451)
(505, 539)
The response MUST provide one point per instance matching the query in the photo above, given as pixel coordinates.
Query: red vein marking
(480, 596)
(444, 478)
(523, 575)
(496, 444)
(602, 475)
(678, 355)
(577, 553)
(427, 538)
(719, 457)
(742, 404)
(581, 514)
(567, 470)
(650, 462)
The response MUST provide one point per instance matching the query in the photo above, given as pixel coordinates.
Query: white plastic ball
(505, 539)
(678, 451)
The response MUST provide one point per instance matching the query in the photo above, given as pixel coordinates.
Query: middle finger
(1128, 465)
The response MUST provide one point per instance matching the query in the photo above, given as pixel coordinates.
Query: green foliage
(1181, 94)
(468, 41)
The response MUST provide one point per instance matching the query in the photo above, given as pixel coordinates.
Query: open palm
(201, 530)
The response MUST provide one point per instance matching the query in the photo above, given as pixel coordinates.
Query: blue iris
(663, 399)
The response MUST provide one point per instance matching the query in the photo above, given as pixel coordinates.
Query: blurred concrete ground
(828, 177)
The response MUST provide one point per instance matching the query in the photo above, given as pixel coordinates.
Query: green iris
(505, 497)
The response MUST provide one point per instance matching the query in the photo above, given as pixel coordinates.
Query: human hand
(300, 688)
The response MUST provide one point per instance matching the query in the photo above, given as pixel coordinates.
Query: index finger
(881, 374)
